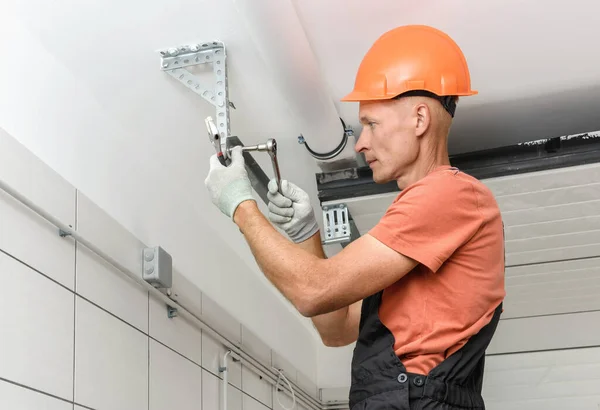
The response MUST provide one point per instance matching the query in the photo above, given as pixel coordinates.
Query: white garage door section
(552, 380)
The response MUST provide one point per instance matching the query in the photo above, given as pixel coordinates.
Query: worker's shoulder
(449, 179)
(453, 185)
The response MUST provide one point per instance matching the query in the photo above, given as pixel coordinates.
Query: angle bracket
(174, 61)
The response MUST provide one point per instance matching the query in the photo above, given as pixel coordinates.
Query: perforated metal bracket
(174, 61)
(339, 225)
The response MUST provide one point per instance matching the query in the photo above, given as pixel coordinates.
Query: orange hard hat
(414, 58)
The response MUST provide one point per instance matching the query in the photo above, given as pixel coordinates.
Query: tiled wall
(76, 334)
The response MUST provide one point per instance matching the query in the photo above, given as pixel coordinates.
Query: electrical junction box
(157, 267)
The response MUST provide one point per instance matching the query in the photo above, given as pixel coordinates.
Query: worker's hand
(229, 186)
(291, 210)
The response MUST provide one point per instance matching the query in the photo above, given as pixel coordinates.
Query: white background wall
(76, 334)
(155, 191)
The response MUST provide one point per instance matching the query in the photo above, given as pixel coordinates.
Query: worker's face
(390, 138)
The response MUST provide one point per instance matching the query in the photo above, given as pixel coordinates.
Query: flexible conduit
(256, 365)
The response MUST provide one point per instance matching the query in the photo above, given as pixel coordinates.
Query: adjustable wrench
(224, 150)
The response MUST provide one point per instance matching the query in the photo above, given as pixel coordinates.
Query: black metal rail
(542, 155)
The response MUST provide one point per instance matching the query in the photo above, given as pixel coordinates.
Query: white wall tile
(212, 392)
(255, 386)
(177, 333)
(108, 235)
(18, 398)
(212, 358)
(220, 320)
(254, 346)
(35, 241)
(175, 382)
(101, 283)
(36, 330)
(250, 403)
(111, 361)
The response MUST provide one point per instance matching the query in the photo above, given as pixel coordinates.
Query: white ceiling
(549, 216)
(530, 61)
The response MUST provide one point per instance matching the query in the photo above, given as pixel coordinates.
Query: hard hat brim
(357, 96)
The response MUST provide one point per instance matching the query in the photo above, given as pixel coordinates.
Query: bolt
(194, 47)
(165, 65)
(173, 52)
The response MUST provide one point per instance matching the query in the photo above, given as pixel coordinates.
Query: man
(422, 292)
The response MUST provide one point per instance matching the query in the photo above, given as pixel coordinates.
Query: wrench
(225, 156)
(271, 147)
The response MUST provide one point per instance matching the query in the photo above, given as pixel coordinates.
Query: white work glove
(229, 186)
(291, 211)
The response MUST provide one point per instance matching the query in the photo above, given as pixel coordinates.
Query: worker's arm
(317, 286)
(338, 328)
(290, 209)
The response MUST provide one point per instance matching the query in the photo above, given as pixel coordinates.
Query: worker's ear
(423, 114)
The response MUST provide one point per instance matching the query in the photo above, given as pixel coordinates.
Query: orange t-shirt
(450, 223)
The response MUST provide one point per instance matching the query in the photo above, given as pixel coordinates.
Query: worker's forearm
(292, 269)
(331, 326)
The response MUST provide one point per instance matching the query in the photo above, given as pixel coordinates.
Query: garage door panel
(570, 379)
(547, 255)
(553, 267)
(544, 180)
(556, 289)
(552, 242)
(516, 308)
(550, 228)
(517, 377)
(527, 279)
(538, 199)
(588, 371)
(544, 390)
(551, 213)
(546, 333)
(564, 357)
(567, 403)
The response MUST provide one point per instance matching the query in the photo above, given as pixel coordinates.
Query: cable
(281, 375)
(328, 155)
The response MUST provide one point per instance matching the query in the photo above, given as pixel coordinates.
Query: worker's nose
(361, 144)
